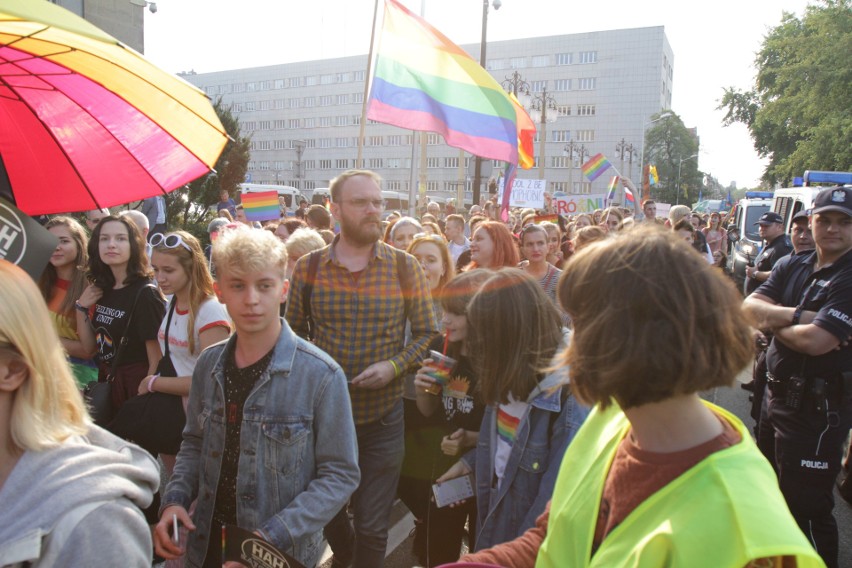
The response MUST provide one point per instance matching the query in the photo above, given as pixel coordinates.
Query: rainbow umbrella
(87, 122)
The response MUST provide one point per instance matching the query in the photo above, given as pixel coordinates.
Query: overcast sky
(713, 42)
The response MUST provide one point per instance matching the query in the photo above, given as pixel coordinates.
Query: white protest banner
(576, 204)
(525, 193)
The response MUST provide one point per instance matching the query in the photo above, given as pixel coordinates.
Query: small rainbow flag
(613, 183)
(595, 167)
(261, 206)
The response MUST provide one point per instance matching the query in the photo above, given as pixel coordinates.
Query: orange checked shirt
(360, 320)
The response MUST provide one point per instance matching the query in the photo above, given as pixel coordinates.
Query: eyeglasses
(363, 203)
(171, 240)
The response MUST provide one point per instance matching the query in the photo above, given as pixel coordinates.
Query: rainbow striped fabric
(595, 167)
(261, 206)
(425, 82)
(507, 426)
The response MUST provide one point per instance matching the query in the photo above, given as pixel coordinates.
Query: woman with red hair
(492, 246)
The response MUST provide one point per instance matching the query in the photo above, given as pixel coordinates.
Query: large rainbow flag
(261, 206)
(595, 167)
(425, 82)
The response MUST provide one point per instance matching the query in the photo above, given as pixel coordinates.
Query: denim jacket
(542, 437)
(298, 461)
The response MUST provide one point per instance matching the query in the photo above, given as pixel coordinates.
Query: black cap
(770, 217)
(803, 214)
(834, 199)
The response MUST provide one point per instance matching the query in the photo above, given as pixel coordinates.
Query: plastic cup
(443, 366)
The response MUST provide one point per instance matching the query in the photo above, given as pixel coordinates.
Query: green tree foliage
(799, 112)
(188, 208)
(666, 143)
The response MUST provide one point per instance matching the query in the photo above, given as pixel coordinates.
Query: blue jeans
(381, 446)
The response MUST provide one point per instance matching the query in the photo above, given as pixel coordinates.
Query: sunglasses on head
(170, 240)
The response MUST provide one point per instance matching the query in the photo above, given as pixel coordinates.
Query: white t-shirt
(210, 314)
(457, 250)
(509, 418)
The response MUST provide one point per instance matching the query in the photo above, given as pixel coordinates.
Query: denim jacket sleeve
(183, 486)
(336, 476)
(571, 417)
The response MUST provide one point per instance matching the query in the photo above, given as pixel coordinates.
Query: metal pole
(477, 168)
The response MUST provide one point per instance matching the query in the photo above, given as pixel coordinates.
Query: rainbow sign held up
(595, 167)
(261, 206)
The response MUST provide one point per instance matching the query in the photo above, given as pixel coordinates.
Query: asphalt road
(733, 399)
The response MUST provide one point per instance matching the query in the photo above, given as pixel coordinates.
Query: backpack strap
(308, 290)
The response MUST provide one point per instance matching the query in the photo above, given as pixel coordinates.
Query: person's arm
(295, 315)
(809, 339)
(766, 313)
(85, 331)
(117, 523)
(460, 440)
(336, 473)
(181, 385)
(518, 553)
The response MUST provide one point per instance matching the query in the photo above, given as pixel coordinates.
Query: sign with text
(576, 204)
(525, 193)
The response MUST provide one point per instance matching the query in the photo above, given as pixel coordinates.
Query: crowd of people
(548, 367)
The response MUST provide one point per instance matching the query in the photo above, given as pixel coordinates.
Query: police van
(790, 200)
(744, 242)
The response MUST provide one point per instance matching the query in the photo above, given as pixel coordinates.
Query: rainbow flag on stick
(595, 167)
(261, 206)
(425, 82)
(613, 183)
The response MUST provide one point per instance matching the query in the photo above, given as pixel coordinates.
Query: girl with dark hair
(530, 417)
(61, 284)
(121, 306)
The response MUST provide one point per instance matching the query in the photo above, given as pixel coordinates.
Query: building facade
(122, 19)
(304, 119)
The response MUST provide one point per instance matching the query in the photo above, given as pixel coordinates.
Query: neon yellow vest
(724, 512)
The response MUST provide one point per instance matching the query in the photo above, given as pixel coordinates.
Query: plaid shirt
(362, 321)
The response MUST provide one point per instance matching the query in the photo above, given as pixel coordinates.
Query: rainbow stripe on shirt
(507, 426)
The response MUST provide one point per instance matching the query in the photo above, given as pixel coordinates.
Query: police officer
(776, 245)
(807, 303)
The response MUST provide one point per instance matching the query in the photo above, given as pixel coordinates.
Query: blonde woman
(71, 492)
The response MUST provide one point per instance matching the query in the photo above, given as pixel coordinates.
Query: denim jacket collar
(282, 356)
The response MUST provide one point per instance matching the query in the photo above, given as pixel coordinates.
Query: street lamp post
(679, 166)
(642, 153)
(541, 103)
(568, 150)
(299, 146)
(477, 169)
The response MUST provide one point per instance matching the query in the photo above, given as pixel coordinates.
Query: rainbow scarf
(595, 167)
(425, 82)
(262, 206)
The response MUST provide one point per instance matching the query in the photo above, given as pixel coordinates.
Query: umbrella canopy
(87, 122)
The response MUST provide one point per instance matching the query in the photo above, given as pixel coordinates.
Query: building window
(326, 79)
(324, 121)
(355, 120)
(341, 121)
(279, 104)
(239, 88)
(563, 59)
(265, 125)
(281, 144)
(294, 103)
(518, 62)
(540, 60)
(326, 100)
(588, 56)
(585, 110)
(263, 165)
(374, 141)
(562, 85)
(375, 163)
(342, 99)
(433, 139)
(588, 83)
(560, 135)
(325, 164)
(237, 107)
(309, 164)
(395, 140)
(538, 86)
(357, 97)
(341, 142)
(433, 162)
(495, 64)
(280, 124)
(310, 81)
(310, 122)
(325, 142)
(309, 143)
(265, 105)
(559, 186)
(293, 123)
(251, 86)
(341, 78)
(559, 161)
(433, 186)
(278, 84)
(265, 85)
(584, 135)
(250, 125)
(295, 82)
(310, 102)
(359, 75)
(563, 110)
(342, 164)
(451, 163)
(393, 163)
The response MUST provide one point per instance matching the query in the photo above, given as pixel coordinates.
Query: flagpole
(359, 161)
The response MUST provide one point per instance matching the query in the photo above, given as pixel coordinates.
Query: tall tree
(799, 112)
(667, 143)
(189, 206)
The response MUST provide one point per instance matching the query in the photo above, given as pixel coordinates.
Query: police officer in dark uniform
(776, 245)
(807, 303)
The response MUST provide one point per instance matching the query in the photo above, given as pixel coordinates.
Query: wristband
(151, 382)
(80, 308)
(797, 315)
(396, 371)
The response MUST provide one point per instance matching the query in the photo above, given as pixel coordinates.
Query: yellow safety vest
(723, 512)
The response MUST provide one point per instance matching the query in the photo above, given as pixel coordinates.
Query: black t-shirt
(828, 292)
(110, 322)
(765, 261)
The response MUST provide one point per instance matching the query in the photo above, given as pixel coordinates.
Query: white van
(320, 195)
(291, 194)
(790, 200)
